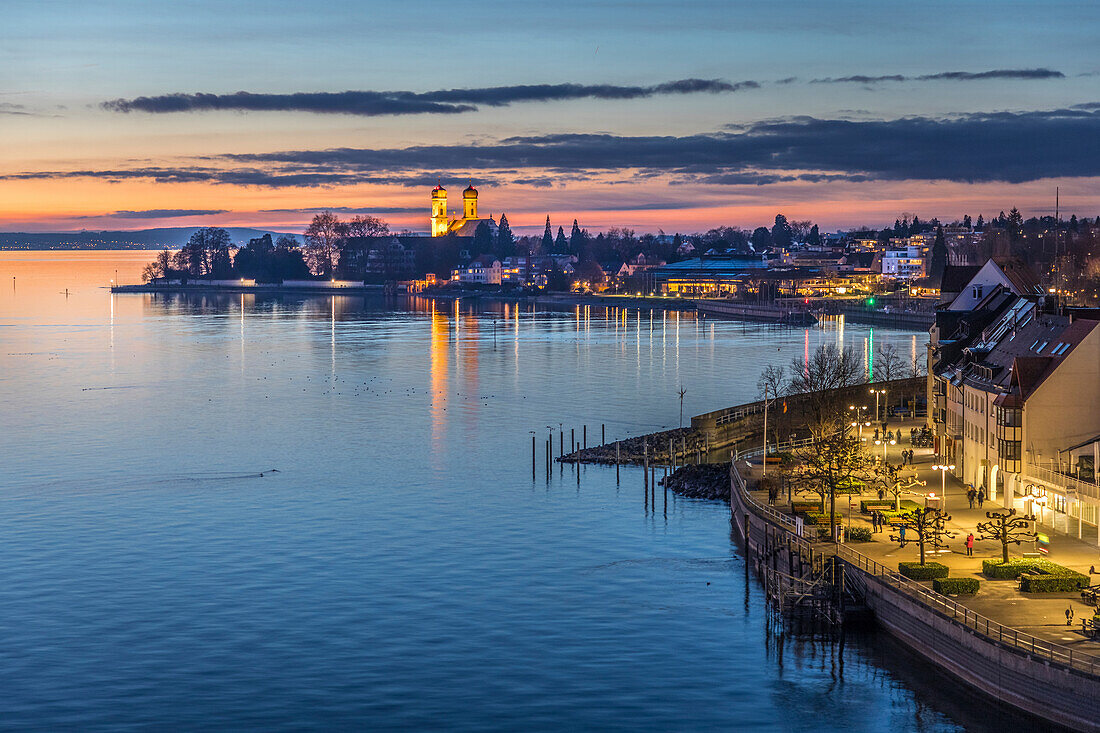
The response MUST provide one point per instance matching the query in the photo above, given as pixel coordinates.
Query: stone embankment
(632, 451)
(704, 481)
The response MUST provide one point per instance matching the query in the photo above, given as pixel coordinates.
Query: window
(1042, 346)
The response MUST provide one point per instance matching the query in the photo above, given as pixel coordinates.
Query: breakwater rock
(685, 443)
(705, 481)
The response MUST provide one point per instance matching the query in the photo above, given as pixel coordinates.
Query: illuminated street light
(877, 393)
(943, 469)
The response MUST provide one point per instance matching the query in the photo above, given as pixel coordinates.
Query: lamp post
(859, 418)
(884, 442)
(877, 393)
(943, 469)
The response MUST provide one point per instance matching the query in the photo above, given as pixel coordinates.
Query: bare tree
(888, 363)
(324, 239)
(1007, 528)
(930, 527)
(772, 382)
(821, 379)
(832, 460)
(889, 478)
(160, 267)
(367, 226)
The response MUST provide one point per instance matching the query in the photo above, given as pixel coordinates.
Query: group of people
(878, 521)
(907, 457)
(979, 495)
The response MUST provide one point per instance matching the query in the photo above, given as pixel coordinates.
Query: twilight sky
(673, 115)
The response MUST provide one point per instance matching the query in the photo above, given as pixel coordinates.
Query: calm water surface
(401, 569)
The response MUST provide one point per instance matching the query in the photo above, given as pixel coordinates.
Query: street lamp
(877, 393)
(859, 418)
(943, 469)
(884, 442)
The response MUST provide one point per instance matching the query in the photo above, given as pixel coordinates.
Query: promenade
(1041, 614)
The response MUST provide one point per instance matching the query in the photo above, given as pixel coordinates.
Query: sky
(673, 116)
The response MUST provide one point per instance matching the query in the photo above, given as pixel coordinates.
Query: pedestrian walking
(970, 545)
(899, 435)
(901, 535)
(1069, 616)
(875, 521)
(970, 496)
(881, 494)
(981, 497)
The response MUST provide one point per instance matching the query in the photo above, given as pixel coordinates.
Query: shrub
(956, 586)
(802, 507)
(868, 505)
(1039, 576)
(859, 534)
(928, 571)
(850, 486)
(823, 518)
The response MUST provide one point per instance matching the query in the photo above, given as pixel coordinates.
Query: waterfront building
(482, 270)
(903, 263)
(708, 276)
(1014, 387)
(462, 226)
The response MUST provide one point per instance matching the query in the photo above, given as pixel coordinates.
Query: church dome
(439, 190)
(470, 192)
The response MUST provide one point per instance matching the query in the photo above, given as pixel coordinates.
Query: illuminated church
(443, 224)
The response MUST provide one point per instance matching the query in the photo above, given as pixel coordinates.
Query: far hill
(171, 237)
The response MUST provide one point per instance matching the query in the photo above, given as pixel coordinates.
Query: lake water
(401, 569)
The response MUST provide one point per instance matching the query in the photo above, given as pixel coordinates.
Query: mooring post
(617, 463)
(533, 461)
(645, 467)
(603, 434)
(584, 437)
(561, 442)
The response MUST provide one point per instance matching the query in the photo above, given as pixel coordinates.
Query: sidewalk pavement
(1042, 615)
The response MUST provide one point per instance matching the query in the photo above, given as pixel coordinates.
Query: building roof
(1023, 278)
(956, 277)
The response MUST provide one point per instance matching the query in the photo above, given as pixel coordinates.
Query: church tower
(469, 203)
(440, 225)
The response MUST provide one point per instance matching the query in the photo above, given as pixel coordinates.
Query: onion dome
(439, 190)
(470, 192)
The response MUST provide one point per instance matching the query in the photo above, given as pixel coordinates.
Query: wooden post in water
(671, 458)
(645, 470)
(532, 457)
(603, 434)
(561, 442)
(573, 438)
(617, 463)
(584, 437)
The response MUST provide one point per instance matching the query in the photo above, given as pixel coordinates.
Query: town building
(1013, 388)
(903, 263)
(482, 270)
(708, 276)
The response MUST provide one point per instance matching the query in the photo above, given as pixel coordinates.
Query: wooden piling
(533, 458)
(603, 434)
(645, 465)
(617, 461)
(584, 437)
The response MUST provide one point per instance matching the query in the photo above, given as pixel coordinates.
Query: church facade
(464, 226)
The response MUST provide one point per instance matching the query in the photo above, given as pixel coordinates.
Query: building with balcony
(1014, 389)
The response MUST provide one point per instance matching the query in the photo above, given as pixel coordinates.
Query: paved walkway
(1042, 615)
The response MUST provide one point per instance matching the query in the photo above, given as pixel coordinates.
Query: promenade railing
(982, 626)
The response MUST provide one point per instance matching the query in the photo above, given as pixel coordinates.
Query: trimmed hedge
(1039, 576)
(868, 505)
(928, 571)
(859, 534)
(804, 507)
(850, 486)
(956, 586)
(823, 518)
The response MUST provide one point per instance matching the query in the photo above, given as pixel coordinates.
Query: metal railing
(1067, 482)
(982, 626)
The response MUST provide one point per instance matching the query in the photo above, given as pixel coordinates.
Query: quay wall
(752, 312)
(743, 422)
(989, 657)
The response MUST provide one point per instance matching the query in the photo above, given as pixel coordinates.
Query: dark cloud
(348, 210)
(1011, 147)
(445, 101)
(164, 213)
(946, 76)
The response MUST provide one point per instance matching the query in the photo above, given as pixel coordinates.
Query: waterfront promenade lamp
(877, 393)
(1036, 497)
(884, 442)
(859, 418)
(943, 469)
